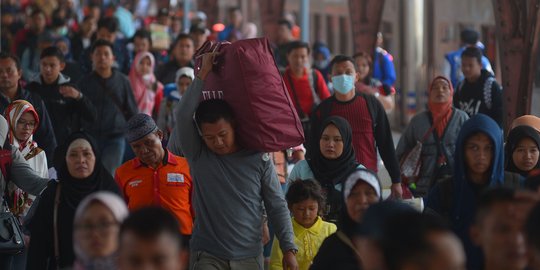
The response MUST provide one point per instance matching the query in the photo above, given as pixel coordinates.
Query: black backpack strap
(295, 96)
(114, 98)
(372, 108)
(315, 80)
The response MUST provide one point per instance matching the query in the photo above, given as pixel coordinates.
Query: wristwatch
(293, 250)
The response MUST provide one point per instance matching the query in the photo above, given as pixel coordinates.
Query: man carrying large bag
(231, 180)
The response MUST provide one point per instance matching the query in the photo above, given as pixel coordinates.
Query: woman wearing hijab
(437, 130)
(360, 190)
(332, 160)
(97, 224)
(80, 173)
(522, 150)
(479, 164)
(148, 92)
(23, 121)
(527, 120)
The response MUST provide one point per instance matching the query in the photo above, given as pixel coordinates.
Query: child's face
(305, 212)
(145, 66)
(183, 84)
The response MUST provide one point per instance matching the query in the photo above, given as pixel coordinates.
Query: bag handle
(347, 241)
(55, 226)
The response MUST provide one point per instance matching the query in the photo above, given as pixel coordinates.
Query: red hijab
(441, 112)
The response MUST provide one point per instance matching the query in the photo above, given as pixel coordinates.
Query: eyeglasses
(25, 124)
(101, 227)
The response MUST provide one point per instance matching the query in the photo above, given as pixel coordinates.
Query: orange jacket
(168, 186)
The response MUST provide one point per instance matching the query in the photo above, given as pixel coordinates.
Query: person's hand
(289, 261)
(396, 192)
(208, 61)
(265, 233)
(298, 155)
(69, 92)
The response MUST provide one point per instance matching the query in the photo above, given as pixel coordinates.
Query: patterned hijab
(13, 113)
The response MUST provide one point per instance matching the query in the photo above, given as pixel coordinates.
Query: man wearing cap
(155, 176)
(199, 34)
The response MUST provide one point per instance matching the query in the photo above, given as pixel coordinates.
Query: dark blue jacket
(455, 198)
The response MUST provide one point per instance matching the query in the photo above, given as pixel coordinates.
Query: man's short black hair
(342, 58)
(9, 55)
(234, 9)
(532, 228)
(37, 11)
(490, 197)
(180, 36)
(469, 36)
(53, 51)
(109, 23)
(285, 22)
(472, 52)
(150, 222)
(87, 17)
(411, 244)
(297, 45)
(212, 110)
(143, 34)
(100, 43)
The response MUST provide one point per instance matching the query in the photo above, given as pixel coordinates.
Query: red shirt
(302, 89)
(357, 114)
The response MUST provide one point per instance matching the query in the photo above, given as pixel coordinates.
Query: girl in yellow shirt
(305, 201)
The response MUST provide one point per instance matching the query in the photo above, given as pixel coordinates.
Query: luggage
(246, 77)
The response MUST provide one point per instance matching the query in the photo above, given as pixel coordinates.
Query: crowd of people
(110, 160)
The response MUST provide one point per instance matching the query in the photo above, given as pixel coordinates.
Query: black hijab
(75, 190)
(333, 171)
(514, 137)
(72, 192)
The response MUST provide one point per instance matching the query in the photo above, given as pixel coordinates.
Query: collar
(315, 229)
(168, 158)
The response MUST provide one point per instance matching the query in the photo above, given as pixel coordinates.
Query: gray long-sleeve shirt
(229, 191)
(23, 176)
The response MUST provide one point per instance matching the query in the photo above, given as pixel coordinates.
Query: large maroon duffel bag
(246, 76)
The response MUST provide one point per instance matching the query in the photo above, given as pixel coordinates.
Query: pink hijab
(144, 95)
